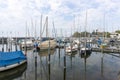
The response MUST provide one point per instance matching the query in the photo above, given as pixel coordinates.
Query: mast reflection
(85, 56)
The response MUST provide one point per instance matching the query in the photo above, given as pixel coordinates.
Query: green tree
(108, 34)
(76, 34)
(117, 31)
(83, 34)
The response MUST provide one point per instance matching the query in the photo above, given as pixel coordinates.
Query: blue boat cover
(99, 41)
(44, 39)
(9, 58)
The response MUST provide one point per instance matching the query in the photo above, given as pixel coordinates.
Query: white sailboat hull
(45, 45)
(69, 49)
(85, 50)
(12, 66)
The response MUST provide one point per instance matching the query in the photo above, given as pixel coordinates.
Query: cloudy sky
(68, 15)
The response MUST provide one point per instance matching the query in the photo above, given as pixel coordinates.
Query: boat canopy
(46, 38)
(9, 58)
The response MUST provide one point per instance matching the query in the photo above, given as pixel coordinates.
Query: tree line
(94, 33)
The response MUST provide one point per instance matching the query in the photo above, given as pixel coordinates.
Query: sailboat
(26, 43)
(44, 42)
(73, 47)
(86, 47)
(10, 60)
(105, 42)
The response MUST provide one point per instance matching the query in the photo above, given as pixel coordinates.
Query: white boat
(85, 50)
(72, 48)
(26, 44)
(44, 45)
(86, 45)
(47, 42)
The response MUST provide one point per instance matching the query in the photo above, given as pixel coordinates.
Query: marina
(59, 40)
(63, 66)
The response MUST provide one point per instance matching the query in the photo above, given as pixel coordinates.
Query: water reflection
(72, 54)
(85, 56)
(13, 73)
(45, 53)
(119, 76)
(91, 66)
(45, 56)
(102, 65)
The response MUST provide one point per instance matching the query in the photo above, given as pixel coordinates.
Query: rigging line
(54, 31)
(44, 27)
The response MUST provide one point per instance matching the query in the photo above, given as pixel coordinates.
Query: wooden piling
(35, 67)
(64, 74)
(2, 44)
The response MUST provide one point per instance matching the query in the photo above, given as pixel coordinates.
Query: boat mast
(35, 31)
(86, 25)
(32, 28)
(54, 31)
(25, 48)
(104, 34)
(41, 27)
(85, 32)
(47, 26)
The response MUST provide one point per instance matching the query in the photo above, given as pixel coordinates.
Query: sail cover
(9, 58)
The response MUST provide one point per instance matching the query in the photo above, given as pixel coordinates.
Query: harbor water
(93, 66)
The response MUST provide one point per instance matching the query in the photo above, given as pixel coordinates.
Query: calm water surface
(94, 66)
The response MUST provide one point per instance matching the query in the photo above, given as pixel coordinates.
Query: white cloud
(14, 13)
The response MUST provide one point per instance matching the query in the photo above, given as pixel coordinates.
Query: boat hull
(85, 50)
(12, 66)
(45, 45)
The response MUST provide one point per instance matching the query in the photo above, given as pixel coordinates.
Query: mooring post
(16, 44)
(11, 44)
(2, 44)
(59, 53)
(64, 62)
(35, 67)
(6, 45)
(49, 71)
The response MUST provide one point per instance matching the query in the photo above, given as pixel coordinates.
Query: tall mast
(26, 30)
(32, 28)
(47, 26)
(35, 30)
(41, 27)
(85, 32)
(86, 24)
(104, 27)
(74, 24)
(54, 31)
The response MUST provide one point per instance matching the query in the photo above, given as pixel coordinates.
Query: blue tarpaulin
(9, 58)
(99, 41)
